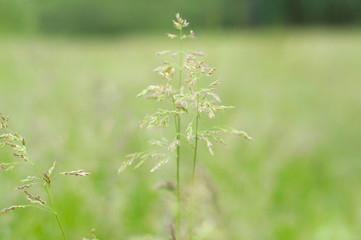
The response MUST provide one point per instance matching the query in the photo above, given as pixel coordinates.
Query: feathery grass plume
(194, 95)
(169, 91)
(17, 143)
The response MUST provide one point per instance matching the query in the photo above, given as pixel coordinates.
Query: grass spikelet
(51, 169)
(78, 173)
(7, 167)
(12, 208)
(159, 164)
(173, 146)
(24, 187)
(34, 199)
(29, 179)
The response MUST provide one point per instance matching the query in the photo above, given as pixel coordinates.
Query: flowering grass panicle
(193, 95)
(199, 98)
(170, 91)
(166, 91)
(16, 142)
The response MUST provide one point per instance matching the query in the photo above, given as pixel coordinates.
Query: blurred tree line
(116, 16)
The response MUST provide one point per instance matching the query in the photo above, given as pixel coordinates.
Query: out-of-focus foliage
(296, 92)
(114, 16)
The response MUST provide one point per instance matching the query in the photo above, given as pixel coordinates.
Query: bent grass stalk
(17, 143)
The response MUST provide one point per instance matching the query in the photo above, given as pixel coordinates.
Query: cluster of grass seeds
(16, 142)
(92, 236)
(192, 95)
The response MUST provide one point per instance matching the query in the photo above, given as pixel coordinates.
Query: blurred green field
(296, 92)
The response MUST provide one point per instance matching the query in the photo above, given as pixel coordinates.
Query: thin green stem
(195, 152)
(178, 181)
(194, 163)
(61, 227)
(196, 139)
(44, 207)
(178, 138)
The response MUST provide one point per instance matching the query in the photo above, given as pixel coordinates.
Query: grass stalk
(194, 165)
(178, 137)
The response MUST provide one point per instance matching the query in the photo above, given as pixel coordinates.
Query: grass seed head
(29, 179)
(24, 187)
(51, 169)
(7, 167)
(79, 173)
(46, 178)
(12, 208)
(172, 36)
(34, 199)
(180, 23)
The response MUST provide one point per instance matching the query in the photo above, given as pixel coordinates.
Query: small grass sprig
(16, 142)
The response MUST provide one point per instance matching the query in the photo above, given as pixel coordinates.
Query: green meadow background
(296, 91)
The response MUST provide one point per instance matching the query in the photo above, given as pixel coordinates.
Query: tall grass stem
(194, 165)
(178, 138)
